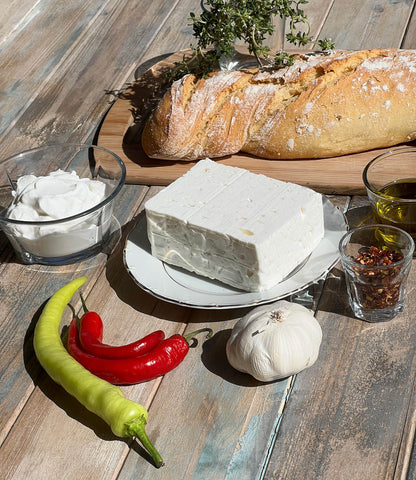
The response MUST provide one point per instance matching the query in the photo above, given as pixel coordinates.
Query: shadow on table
(67, 402)
(334, 298)
(129, 291)
(55, 392)
(120, 279)
(215, 360)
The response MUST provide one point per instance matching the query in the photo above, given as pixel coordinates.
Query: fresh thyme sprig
(222, 22)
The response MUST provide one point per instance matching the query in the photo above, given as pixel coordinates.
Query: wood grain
(384, 27)
(231, 417)
(352, 413)
(357, 409)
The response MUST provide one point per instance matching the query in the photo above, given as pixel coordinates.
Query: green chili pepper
(125, 417)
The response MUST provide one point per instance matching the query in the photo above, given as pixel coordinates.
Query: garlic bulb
(275, 341)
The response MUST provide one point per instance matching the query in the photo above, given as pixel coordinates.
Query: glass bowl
(69, 225)
(390, 181)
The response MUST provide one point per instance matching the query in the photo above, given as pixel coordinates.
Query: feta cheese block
(226, 223)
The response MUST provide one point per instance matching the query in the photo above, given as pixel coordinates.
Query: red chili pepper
(167, 355)
(91, 336)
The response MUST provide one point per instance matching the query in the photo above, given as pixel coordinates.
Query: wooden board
(121, 129)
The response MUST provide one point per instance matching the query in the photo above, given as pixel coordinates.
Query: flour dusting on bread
(321, 106)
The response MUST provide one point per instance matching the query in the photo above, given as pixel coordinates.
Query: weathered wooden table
(350, 416)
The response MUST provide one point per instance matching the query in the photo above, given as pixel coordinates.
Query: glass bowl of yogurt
(56, 201)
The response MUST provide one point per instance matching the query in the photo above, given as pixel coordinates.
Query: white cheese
(226, 223)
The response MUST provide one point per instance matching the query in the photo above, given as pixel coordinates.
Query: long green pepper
(125, 417)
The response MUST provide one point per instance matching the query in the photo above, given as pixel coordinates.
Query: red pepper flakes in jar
(373, 256)
(378, 288)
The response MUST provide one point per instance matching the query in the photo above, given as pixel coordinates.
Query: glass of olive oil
(390, 180)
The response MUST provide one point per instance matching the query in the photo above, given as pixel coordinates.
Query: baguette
(321, 106)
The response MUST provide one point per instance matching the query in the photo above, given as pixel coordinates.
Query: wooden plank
(14, 16)
(406, 464)
(35, 284)
(175, 35)
(380, 24)
(78, 115)
(49, 406)
(405, 461)
(317, 12)
(77, 81)
(87, 448)
(406, 467)
(409, 40)
(58, 95)
(211, 427)
(41, 51)
(347, 415)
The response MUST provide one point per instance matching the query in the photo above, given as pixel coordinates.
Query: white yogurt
(53, 197)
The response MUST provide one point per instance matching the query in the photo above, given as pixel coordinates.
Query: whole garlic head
(275, 341)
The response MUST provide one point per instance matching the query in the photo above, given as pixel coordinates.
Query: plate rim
(229, 305)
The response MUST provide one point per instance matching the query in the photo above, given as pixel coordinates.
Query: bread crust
(321, 106)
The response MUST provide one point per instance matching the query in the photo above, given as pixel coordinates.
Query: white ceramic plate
(185, 288)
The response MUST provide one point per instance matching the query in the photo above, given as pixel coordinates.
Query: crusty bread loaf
(322, 106)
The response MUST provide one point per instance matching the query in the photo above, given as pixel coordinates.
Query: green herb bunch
(222, 22)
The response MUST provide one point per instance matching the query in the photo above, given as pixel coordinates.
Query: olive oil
(397, 205)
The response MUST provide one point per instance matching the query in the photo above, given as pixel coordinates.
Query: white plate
(178, 286)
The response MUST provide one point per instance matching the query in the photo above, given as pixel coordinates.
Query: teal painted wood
(249, 444)
(243, 459)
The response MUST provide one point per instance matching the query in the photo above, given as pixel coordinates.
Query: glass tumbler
(376, 260)
(390, 181)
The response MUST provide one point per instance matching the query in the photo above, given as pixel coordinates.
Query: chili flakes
(378, 288)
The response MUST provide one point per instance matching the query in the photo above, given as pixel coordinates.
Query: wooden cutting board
(121, 129)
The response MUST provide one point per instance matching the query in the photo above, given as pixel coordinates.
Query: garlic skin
(275, 341)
